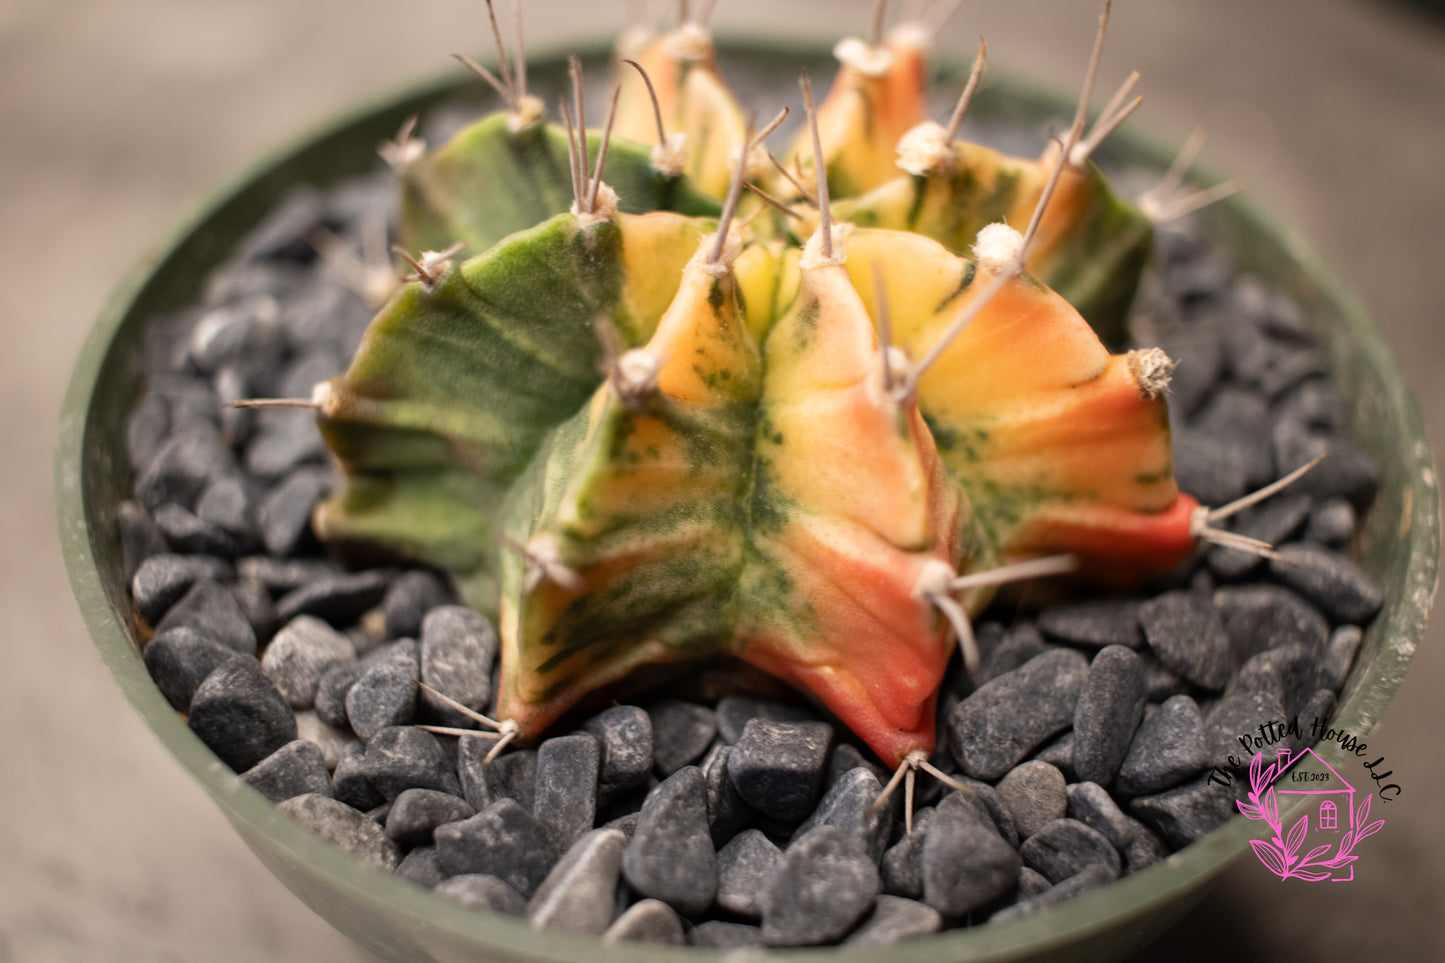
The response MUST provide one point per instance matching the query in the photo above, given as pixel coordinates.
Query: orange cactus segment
(1118, 548)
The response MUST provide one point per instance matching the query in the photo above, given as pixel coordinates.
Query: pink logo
(1337, 827)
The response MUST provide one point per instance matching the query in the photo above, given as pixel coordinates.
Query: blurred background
(118, 119)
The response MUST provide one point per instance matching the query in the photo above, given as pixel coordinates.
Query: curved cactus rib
(492, 180)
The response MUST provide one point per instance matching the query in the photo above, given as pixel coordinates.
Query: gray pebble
(1332, 523)
(139, 537)
(647, 921)
(1091, 877)
(681, 733)
(1209, 468)
(338, 599)
(746, 867)
(850, 806)
(826, 884)
(993, 729)
(1187, 635)
(1021, 645)
(457, 648)
(734, 711)
(502, 840)
(285, 574)
(240, 715)
(579, 895)
(1289, 673)
(145, 429)
(1031, 883)
(1260, 617)
(1275, 521)
(727, 811)
(512, 775)
(1110, 706)
(1060, 754)
(1340, 656)
(187, 532)
(295, 769)
(1169, 747)
(330, 740)
(353, 831)
(1145, 848)
(283, 441)
(1338, 586)
(384, 695)
(349, 782)
(256, 607)
(1186, 813)
(1160, 681)
(1091, 804)
(416, 813)
(1235, 716)
(482, 891)
(420, 866)
(726, 936)
(1065, 847)
(778, 767)
(1034, 794)
(1094, 622)
(1239, 418)
(895, 920)
(227, 503)
(670, 856)
(399, 758)
(624, 736)
(902, 865)
(331, 690)
(966, 864)
(193, 457)
(162, 580)
(304, 650)
(284, 515)
(409, 598)
(566, 793)
(179, 660)
(846, 757)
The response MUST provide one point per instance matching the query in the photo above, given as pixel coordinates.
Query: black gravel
(1084, 742)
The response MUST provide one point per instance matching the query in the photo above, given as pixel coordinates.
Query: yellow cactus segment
(761, 271)
(693, 99)
(655, 249)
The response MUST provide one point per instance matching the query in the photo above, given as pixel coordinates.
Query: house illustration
(1330, 803)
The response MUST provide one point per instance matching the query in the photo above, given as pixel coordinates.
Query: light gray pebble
(483, 891)
(566, 793)
(580, 893)
(670, 856)
(997, 726)
(457, 647)
(344, 826)
(502, 840)
(826, 884)
(301, 652)
(1034, 794)
(330, 740)
(647, 921)
(895, 920)
(1110, 705)
(295, 769)
(778, 767)
(746, 867)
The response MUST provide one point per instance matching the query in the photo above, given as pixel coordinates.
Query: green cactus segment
(1092, 246)
(455, 388)
(490, 181)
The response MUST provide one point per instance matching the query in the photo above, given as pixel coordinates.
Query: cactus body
(691, 444)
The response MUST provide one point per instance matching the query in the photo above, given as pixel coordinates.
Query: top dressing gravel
(1084, 742)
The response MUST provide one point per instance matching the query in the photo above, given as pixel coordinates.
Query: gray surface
(118, 118)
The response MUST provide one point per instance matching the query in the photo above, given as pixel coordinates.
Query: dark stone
(681, 733)
(1108, 712)
(849, 806)
(997, 726)
(1347, 471)
(647, 921)
(420, 866)
(1329, 580)
(457, 648)
(227, 503)
(180, 659)
(1060, 754)
(240, 715)
(725, 936)
(284, 516)
(283, 441)
(256, 607)
(1261, 617)
(579, 895)
(295, 769)
(1091, 877)
(399, 758)
(1094, 622)
(902, 865)
(353, 831)
(512, 775)
(1145, 848)
(1091, 804)
(734, 711)
(895, 920)
(1332, 524)
(383, 695)
(670, 856)
(624, 736)
(1020, 645)
(302, 652)
(416, 813)
(145, 429)
(1169, 747)
(1186, 633)
(187, 532)
(1340, 656)
(1275, 520)
(778, 767)
(727, 811)
(502, 840)
(481, 891)
(162, 580)
(1235, 716)
(1288, 673)
(1034, 794)
(282, 575)
(331, 690)
(1209, 468)
(1239, 418)
(338, 599)
(566, 793)
(746, 867)
(1186, 813)
(966, 864)
(139, 537)
(409, 598)
(349, 782)
(1065, 847)
(826, 884)
(846, 757)
(193, 457)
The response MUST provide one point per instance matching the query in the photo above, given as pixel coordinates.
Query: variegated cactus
(653, 418)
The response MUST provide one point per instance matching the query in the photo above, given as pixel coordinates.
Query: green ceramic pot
(1399, 547)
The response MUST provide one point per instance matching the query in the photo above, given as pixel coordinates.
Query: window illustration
(1327, 815)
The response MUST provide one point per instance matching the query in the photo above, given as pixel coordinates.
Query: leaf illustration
(1362, 812)
(1296, 836)
(1256, 767)
(1250, 812)
(1315, 853)
(1271, 807)
(1268, 855)
(1312, 875)
(1370, 830)
(1339, 861)
(1269, 774)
